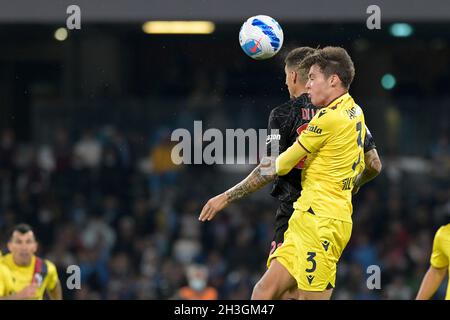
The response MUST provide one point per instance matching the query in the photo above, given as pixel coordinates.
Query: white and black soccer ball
(261, 37)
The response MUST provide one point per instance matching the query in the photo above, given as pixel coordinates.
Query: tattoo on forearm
(257, 179)
(367, 175)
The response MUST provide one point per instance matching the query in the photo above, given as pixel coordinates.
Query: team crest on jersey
(354, 112)
(38, 279)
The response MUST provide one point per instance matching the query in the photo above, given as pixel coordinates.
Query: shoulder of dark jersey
(297, 103)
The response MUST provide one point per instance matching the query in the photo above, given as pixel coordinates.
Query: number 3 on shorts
(310, 258)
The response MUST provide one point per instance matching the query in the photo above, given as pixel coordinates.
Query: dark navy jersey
(290, 119)
(369, 142)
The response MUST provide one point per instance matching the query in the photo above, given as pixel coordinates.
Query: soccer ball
(261, 37)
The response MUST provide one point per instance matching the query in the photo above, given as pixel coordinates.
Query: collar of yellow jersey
(9, 259)
(338, 100)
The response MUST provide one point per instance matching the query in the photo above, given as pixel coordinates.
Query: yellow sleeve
(6, 283)
(318, 131)
(52, 276)
(2, 283)
(289, 158)
(438, 258)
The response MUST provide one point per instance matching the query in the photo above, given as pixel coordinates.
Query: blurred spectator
(164, 171)
(197, 288)
(88, 150)
(97, 233)
(129, 247)
(398, 290)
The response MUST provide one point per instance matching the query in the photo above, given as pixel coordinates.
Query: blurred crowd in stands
(114, 204)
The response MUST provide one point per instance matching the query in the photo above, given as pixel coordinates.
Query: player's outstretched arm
(372, 169)
(262, 175)
(289, 158)
(431, 283)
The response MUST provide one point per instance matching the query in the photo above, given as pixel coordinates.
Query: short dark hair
(332, 60)
(21, 228)
(295, 57)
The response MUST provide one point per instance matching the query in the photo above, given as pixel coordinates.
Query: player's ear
(294, 76)
(334, 80)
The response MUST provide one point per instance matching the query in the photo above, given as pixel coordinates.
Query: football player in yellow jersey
(29, 272)
(439, 267)
(321, 225)
(7, 286)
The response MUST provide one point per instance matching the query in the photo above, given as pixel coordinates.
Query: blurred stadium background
(85, 140)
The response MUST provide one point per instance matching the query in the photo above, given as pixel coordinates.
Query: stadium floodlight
(61, 34)
(402, 30)
(179, 27)
(388, 81)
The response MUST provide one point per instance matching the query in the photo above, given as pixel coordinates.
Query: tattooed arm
(373, 168)
(262, 175)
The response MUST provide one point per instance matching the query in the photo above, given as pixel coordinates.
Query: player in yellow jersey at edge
(321, 225)
(439, 267)
(26, 275)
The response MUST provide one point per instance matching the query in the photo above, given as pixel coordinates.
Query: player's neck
(335, 95)
(299, 90)
(23, 264)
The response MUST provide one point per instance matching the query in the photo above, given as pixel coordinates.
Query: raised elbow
(279, 169)
(282, 172)
(376, 166)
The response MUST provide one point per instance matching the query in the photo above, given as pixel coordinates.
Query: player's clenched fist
(213, 206)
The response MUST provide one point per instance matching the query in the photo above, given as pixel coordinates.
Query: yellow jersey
(335, 140)
(22, 276)
(441, 252)
(6, 281)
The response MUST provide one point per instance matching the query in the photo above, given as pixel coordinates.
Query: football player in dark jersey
(287, 121)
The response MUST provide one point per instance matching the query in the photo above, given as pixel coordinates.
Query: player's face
(291, 77)
(22, 247)
(318, 86)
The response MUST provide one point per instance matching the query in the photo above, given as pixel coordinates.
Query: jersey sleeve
(276, 138)
(438, 258)
(317, 132)
(289, 158)
(3, 290)
(52, 276)
(6, 282)
(369, 141)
